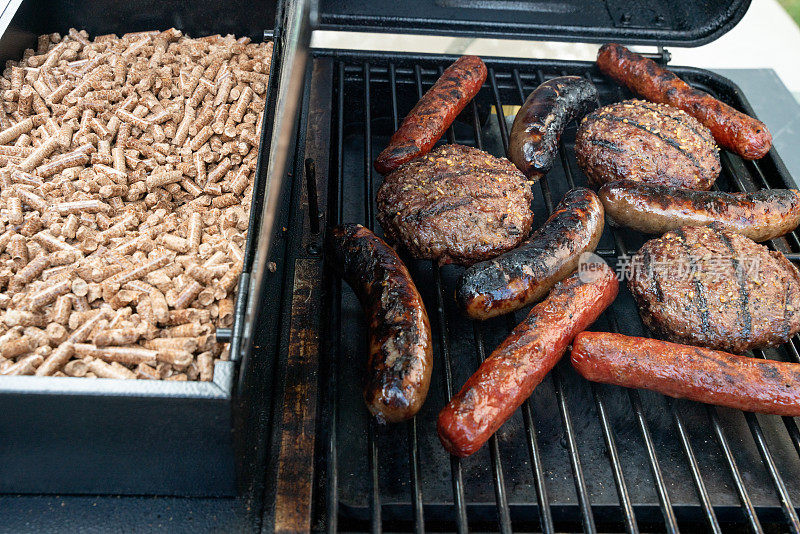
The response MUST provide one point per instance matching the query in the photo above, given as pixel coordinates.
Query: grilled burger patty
(646, 142)
(456, 204)
(707, 286)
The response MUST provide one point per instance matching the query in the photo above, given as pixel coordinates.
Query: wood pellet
(126, 174)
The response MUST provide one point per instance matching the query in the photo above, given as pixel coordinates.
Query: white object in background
(766, 37)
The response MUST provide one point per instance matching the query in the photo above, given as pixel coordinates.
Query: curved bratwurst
(525, 274)
(400, 360)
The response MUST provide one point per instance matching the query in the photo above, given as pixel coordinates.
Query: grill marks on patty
(646, 142)
(456, 204)
(702, 304)
(744, 292)
(734, 295)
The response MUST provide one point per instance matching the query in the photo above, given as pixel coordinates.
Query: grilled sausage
(510, 374)
(434, 113)
(533, 143)
(524, 275)
(655, 209)
(732, 129)
(399, 364)
(681, 371)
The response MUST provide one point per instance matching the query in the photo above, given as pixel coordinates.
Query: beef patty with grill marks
(646, 142)
(707, 286)
(456, 204)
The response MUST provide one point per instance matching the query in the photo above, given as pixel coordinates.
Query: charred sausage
(533, 143)
(510, 374)
(732, 129)
(400, 360)
(695, 373)
(655, 209)
(434, 113)
(524, 275)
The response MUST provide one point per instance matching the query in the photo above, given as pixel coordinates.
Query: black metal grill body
(576, 455)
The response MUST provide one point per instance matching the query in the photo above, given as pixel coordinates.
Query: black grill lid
(655, 22)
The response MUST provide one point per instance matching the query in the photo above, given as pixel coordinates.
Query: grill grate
(660, 464)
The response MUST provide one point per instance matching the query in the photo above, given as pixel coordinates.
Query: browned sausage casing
(509, 375)
(655, 209)
(533, 142)
(434, 113)
(695, 373)
(399, 365)
(524, 275)
(732, 129)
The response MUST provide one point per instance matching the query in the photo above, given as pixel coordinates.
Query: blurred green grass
(793, 8)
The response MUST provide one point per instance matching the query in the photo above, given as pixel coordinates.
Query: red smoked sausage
(682, 371)
(509, 375)
(434, 113)
(732, 129)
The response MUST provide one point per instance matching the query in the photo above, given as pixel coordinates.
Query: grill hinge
(662, 56)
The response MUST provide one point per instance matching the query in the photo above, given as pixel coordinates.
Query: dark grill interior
(576, 455)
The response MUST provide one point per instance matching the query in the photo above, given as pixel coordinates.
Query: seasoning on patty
(646, 142)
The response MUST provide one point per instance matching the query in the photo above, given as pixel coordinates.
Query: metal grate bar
(503, 511)
(663, 495)
(375, 497)
(455, 462)
(545, 514)
(619, 478)
(416, 476)
(702, 493)
(780, 487)
(369, 216)
(413, 442)
(587, 516)
(332, 503)
(744, 497)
